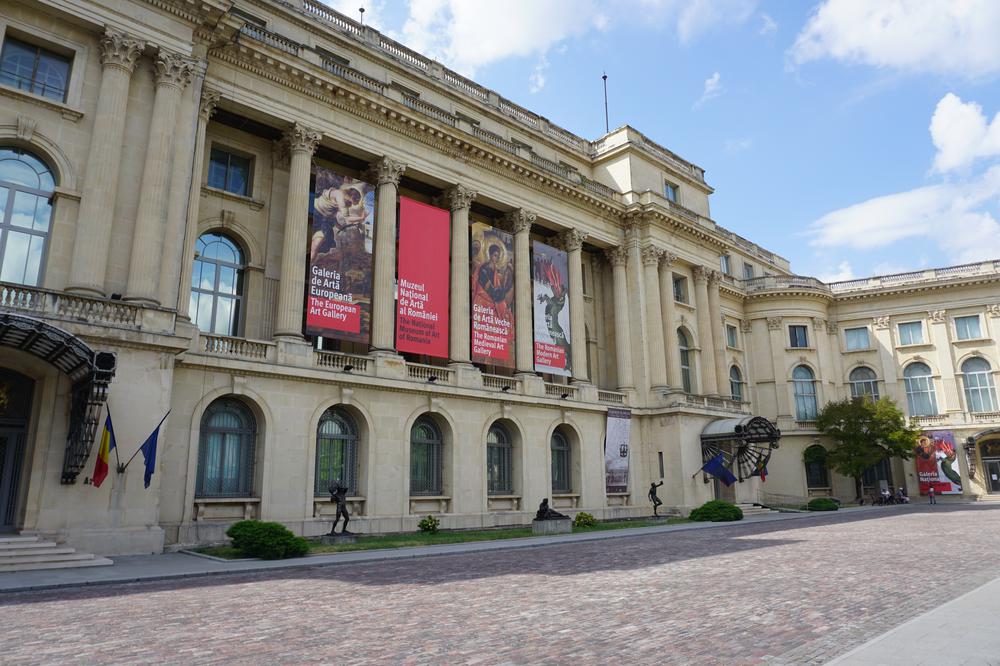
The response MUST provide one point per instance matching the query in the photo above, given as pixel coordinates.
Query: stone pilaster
(718, 333)
(572, 242)
(460, 200)
(206, 107)
(291, 290)
(173, 72)
(654, 318)
(709, 378)
(668, 309)
(618, 257)
(119, 54)
(387, 173)
(518, 222)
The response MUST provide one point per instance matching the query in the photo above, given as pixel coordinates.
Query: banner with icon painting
(491, 259)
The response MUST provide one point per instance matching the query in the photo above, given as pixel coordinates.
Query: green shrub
(717, 511)
(584, 519)
(822, 504)
(268, 541)
(430, 524)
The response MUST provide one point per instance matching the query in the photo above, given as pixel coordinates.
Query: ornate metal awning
(88, 370)
(748, 441)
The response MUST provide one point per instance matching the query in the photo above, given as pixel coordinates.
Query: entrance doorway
(15, 405)
(992, 475)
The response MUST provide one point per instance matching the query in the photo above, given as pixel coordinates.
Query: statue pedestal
(337, 539)
(554, 526)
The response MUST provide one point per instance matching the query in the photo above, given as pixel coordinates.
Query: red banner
(491, 259)
(422, 292)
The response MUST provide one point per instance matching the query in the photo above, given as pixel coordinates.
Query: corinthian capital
(301, 139)
(668, 259)
(171, 69)
(651, 255)
(460, 197)
(519, 221)
(387, 171)
(572, 240)
(120, 50)
(618, 256)
(209, 100)
(701, 273)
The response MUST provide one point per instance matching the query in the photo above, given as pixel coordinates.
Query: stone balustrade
(70, 307)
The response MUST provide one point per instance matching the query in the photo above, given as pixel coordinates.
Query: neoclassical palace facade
(323, 256)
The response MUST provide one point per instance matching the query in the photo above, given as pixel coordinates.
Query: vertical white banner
(616, 451)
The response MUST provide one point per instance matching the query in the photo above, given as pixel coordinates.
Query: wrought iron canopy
(89, 371)
(747, 441)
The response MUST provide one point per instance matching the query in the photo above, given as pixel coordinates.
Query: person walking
(930, 494)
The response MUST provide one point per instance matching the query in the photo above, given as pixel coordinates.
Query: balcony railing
(982, 268)
(562, 391)
(71, 307)
(717, 403)
(353, 75)
(430, 373)
(780, 282)
(494, 139)
(930, 419)
(229, 347)
(501, 382)
(613, 397)
(272, 39)
(340, 361)
(435, 112)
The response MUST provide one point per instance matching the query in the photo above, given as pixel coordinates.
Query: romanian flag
(101, 466)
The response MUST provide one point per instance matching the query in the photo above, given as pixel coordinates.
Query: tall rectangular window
(748, 271)
(967, 328)
(731, 339)
(680, 289)
(726, 264)
(798, 336)
(856, 338)
(32, 68)
(911, 333)
(229, 172)
(670, 191)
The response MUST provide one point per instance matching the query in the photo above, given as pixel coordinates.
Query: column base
(82, 290)
(467, 375)
(293, 351)
(388, 364)
(532, 383)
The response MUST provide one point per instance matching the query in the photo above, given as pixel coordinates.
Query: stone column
(387, 173)
(654, 318)
(518, 222)
(460, 199)
(618, 257)
(709, 378)
(209, 100)
(119, 53)
(718, 333)
(291, 290)
(668, 310)
(572, 242)
(173, 73)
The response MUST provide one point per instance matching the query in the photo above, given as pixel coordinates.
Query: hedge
(717, 511)
(268, 541)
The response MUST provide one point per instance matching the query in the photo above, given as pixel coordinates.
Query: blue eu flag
(148, 449)
(717, 468)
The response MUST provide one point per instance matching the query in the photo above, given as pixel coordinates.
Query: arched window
(226, 450)
(980, 394)
(217, 285)
(736, 383)
(804, 387)
(685, 347)
(817, 474)
(919, 384)
(499, 461)
(26, 187)
(864, 383)
(336, 451)
(562, 471)
(426, 458)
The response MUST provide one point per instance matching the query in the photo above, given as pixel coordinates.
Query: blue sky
(853, 137)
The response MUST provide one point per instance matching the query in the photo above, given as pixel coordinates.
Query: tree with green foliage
(865, 432)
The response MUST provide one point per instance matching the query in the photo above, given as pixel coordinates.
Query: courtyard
(793, 591)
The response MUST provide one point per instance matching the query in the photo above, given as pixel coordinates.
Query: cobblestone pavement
(794, 592)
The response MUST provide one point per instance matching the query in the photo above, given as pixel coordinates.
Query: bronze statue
(653, 498)
(545, 513)
(338, 493)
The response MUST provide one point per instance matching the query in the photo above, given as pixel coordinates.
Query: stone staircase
(24, 553)
(755, 510)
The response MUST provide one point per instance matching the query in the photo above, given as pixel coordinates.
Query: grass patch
(413, 539)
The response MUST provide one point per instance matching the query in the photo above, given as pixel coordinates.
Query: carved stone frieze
(993, 310)
(387, 171)
(746, 325)
(936, 315)
(774, 323)
(618, 256)
(460, 197)
(25, 127)
(172, 69)
(880, 322)
(120, 50)
(819, 323)
(831, 326)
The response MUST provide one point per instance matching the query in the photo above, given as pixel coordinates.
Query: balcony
(785, 283)
(229, 347)
(35, 301)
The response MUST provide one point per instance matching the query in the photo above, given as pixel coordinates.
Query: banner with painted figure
(550, 280)
(422, 279)
(937, 463)
(491, 259)
(616, 450)
(339, 283)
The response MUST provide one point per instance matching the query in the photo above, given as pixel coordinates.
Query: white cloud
(957, 217)
(938, 36)
(349, 8)
(768, 26)
(713, 88)
(843, 272)
(467, 35)
(537, 78)
(738, 145)
(961, 133)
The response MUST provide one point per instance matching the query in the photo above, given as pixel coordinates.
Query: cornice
(881, 292)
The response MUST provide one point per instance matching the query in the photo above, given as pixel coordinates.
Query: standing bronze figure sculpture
(338, 493)
(653, 498)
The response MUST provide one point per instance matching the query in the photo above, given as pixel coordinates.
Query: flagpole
(117, 459)
(140, 447)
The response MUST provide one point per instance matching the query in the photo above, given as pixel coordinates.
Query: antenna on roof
(607, 128)
(361, 10)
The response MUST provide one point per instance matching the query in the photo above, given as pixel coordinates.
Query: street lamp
(970, 455)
